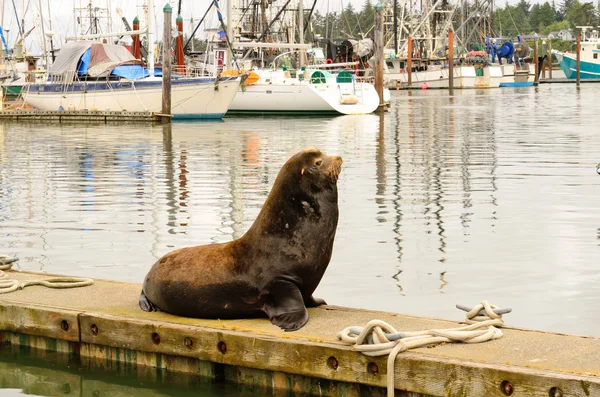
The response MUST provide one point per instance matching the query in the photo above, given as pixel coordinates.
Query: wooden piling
(166, 64)
(136, 50)
(451, 60)
(537, 62)
(179, 46)
(379, 57)
(409, 61)
(578, 72)
(550, 59)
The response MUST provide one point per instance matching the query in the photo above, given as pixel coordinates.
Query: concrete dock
(103, 326)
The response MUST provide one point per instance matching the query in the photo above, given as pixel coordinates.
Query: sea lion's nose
(338, 160)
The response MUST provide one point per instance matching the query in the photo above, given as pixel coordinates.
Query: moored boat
(589, 62)
(97, 76)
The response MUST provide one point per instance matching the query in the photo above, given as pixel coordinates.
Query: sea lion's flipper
(284, 305)
(314, 302)
(146, 305)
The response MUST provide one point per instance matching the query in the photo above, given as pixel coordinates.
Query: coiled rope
(379, 338)
(8, 285)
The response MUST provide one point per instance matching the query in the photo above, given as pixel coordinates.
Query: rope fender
(379, 338)
(8, 285)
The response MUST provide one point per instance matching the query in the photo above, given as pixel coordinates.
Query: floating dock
(565, 80)
(80, 116)
(103, 326)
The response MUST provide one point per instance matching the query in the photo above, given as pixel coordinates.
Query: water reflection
(52, 375)
(442, 199)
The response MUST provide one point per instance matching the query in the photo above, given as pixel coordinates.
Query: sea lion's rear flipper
(284, 305)
(146, 305)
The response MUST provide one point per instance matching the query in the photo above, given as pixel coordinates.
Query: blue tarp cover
(84, 62)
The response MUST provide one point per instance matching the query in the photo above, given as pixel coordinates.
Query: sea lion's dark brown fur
(274, 268)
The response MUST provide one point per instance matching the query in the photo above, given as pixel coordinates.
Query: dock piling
(379, 57)
(549, 59)
(179, 46)
(409, 61)
(578, 72)
(451, 61)
(166, 64)
(536, 79)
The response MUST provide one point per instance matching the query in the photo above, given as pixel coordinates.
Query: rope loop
(8, 285)
(379, 338)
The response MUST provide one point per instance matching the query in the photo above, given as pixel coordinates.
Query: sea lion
(273, 268)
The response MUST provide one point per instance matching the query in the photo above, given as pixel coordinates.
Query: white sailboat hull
(190, 98)
(305, 98)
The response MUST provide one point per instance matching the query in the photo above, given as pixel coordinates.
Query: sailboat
(88, 75)
(278, 89)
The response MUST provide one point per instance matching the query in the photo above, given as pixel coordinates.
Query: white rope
(379, 338)
(8, 285)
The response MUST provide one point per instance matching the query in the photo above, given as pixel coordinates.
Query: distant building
(565, 34)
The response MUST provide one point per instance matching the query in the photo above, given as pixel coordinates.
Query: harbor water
(486, 194)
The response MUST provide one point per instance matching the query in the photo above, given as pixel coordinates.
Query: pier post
(379, 44)
(578, 72)
(550, 59)
(451, 61)
(536, 79)
(166, 64)
(409, 61)
(136, 50)
(179, 46)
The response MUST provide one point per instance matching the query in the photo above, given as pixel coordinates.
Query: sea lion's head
(315, 170)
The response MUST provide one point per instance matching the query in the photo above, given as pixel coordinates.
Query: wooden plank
(39, 320)
(414, 372)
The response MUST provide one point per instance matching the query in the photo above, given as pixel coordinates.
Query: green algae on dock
(103, 325)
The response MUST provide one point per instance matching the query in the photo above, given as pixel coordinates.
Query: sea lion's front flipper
(146, 305)
(284, 305)
(314, 302)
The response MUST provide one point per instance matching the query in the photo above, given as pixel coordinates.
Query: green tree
(367, 17)
(556, 26)
(541, 15)
(349, 21)
(581, 14)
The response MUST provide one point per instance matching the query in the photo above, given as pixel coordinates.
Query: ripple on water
(446, 199)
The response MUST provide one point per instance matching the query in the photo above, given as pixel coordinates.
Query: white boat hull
(464, 77)
(305, 97)
(491, 77)
(512, 76)
(190, 98)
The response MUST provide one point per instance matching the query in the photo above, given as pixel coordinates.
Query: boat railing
(67, 77)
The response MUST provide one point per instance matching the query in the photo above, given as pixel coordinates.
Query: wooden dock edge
(79, 116)
(116, 342)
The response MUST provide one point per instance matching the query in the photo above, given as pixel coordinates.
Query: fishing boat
(589, 66)
(512, 57)
(107, 77)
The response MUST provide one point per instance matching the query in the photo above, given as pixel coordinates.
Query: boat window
(344, 77)
(595, 56)
(390, 65)
(318, 77)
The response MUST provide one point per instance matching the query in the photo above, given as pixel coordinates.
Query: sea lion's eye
(318, 163)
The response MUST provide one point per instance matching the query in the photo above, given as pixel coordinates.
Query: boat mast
(150, 22)
(301, 29)
(44, 36)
